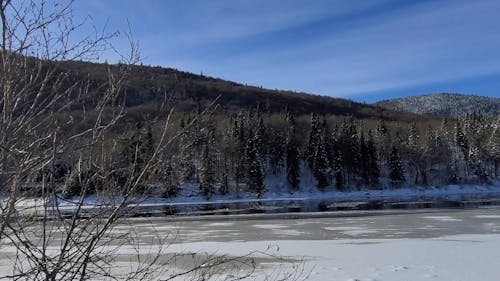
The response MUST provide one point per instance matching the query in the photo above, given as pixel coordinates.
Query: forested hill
(152, 85)
(445, 104)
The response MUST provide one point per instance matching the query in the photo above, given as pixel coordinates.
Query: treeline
(254, 152)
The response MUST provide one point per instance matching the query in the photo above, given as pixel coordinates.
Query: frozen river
(431, 244)
(451, 244)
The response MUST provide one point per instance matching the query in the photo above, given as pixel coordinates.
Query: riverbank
(452, 196)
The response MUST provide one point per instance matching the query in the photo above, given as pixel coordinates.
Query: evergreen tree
(240, 139)
(461, 140)
(413, 136)
(373, 167)
(494, 146)
(477, 165)
(224, 186)
(364, 160)
(314, 138)
(170, 181)
(277, 151)
(255, 178)
(349, 144)
(383, 137)
(137, 151)
(336, 159)
(292, 156)
(320, 167)
(396, 169)
(207, 179)
(186, 154)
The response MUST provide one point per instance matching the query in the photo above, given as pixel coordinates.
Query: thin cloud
(340, 48)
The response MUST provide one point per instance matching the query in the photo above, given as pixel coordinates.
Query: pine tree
(373, 167)
(186, 154)
(396, 169)
(207, 179)
(383, 137)
(364, 160)
(224, 186)
(320, 167)
(413, 136)
(349, 144)
(277, 151)
(494, 146)
(292, 156)
(477, 165)
(255, 178)
(461, 140)
(314, 136)
(170, 181)
(241, 165)
(336, 159)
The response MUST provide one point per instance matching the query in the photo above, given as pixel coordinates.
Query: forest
(251, 151)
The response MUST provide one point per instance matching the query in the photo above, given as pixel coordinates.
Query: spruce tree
(207, 179)
(349, 144)
(320, 167)
(224, 186)
(255, 178)
(413, 136)
(186, 153)
(461, 140)
(171, 184)
(277, 151)
(240, 164)
(314, 137)
(396, 169)
(373, 168)
(292, 156)
(364, 160)
(336, 159)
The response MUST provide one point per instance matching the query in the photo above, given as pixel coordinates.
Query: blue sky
(363, 50)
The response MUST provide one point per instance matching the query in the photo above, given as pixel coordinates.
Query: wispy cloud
(340, 48)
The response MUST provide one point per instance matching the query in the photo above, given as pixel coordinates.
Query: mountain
(444, 104)
(149, 86)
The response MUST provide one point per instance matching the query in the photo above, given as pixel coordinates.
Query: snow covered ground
(433, 244)
(460, 257)
(304, 200)
(278, 192)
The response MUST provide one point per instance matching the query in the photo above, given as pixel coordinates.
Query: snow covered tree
(364, 163)
(207, 178)
(349, 144)
(494, 146)
(292, 155)
(461, 140)
(224, 185)
(383, 138)
(255, 178)
(187, 168)
(320, 167)
(314, 138)
(413, 136)
(336, 159)
(396, 173)
(277, 151)
(373, 167)
(170, 181)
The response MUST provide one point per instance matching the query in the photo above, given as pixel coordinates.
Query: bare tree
(47, 118)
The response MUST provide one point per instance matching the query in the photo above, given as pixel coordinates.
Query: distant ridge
(444, 104)
(148, 86)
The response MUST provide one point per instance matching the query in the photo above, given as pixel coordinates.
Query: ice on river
(451, 244)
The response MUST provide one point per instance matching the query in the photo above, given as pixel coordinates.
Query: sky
(364, 50)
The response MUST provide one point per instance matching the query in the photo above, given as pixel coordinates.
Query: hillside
(148, 86)
(444, 104)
